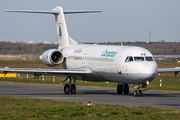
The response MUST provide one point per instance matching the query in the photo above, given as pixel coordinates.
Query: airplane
(121, 64)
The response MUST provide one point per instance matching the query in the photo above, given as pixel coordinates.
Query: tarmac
(167, 100)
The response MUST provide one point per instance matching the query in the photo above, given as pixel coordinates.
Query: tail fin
(61, 27)
(64, 39)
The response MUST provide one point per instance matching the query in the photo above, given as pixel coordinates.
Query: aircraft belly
(131, 77)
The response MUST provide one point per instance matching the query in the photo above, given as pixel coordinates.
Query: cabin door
(119, 65)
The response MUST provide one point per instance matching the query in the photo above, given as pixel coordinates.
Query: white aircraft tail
(63, 37)
(61, 27)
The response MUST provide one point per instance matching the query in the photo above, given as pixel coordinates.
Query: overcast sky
(120, 20)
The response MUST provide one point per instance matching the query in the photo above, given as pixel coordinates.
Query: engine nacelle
(52, 57)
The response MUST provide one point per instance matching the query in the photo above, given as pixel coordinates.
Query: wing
(175, 70)
(59, 72)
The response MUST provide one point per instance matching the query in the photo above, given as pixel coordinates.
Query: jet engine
(52, 57)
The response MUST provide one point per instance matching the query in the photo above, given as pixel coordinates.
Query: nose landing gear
(137, 92)
(70, 88)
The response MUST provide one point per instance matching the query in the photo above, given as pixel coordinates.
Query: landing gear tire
(73, 89)
(126, 89)
(137, 93)
(119, 88)
(66, 89)
(140, 93)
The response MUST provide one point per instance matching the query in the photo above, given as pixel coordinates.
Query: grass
(26, 108)
(26, 64)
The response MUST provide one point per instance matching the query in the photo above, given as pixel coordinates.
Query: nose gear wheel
(137, 93)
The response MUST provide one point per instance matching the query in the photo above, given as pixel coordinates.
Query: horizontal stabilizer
(33, 11)
(81, 11)
(52, 11)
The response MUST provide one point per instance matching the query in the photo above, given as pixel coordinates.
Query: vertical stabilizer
(61, 27)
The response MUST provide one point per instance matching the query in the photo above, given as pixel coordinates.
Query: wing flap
(84, 70)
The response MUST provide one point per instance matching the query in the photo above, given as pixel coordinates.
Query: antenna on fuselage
(121, 44)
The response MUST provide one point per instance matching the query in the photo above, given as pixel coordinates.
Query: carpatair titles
(107, 53)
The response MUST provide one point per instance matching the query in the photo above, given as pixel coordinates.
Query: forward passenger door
(119, 65)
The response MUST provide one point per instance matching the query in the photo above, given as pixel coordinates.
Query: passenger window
(126, 60)
(130, 59)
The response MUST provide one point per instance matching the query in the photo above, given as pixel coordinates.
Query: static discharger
(8, 75)
(89, 104)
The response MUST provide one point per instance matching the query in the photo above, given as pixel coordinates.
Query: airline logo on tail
(60, 30)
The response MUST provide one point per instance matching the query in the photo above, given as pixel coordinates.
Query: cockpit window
(138, 58)
(149, 58)
(130, 59)
(126, 60)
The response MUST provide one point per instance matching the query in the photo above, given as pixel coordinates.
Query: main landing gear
(70, 88)
(123, 87)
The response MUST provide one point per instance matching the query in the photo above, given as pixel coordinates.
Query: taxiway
(105, 96)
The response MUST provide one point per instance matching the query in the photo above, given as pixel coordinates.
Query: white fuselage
(108, 62)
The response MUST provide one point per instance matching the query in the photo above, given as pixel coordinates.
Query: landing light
(40, 57)
(147, 82)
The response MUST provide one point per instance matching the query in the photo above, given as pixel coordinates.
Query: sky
(119, 21)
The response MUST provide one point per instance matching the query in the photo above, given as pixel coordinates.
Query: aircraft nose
(148, 71)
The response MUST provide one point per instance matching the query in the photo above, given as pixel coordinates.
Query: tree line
(156, 48)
